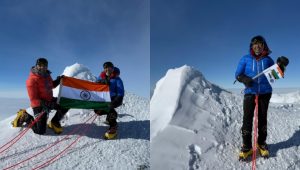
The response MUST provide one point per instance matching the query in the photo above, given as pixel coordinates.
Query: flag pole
(255, 77)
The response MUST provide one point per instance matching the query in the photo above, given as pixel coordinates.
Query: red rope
(255, 133)
(21, 134)
(59, 154)
(55, 143)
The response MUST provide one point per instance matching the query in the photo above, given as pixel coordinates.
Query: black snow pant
(41, 125)
(249, 107)
(112, 114)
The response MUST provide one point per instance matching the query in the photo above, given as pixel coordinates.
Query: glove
(245, 79)
(59, 77)
(103, 81)
(282, 62)
(57, 81)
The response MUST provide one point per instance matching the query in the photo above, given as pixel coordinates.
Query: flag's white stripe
(73, 93)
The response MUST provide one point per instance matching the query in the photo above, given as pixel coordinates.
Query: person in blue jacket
(249, 66)
(110, 76)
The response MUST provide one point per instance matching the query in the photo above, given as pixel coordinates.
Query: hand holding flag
(276, 71)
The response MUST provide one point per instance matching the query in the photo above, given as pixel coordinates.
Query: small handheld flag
(273, 73)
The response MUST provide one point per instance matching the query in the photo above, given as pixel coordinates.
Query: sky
(212, 36)
(74, 31)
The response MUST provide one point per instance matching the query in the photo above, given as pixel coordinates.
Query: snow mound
(185, 104)
(170, 86)
(292, 97)
(172, 93)
(78, 71)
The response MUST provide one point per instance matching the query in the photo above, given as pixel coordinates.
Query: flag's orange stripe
(280, 71)
(83, 84)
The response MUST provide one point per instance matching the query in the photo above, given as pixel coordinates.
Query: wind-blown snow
(131, 150)
(196, 125)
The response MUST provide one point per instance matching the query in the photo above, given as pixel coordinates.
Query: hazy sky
(69, 31)
(213, 35)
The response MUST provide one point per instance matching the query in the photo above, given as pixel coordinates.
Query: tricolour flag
(82, 94)
(273, 73)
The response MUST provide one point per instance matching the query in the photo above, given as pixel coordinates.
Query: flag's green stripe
(275, 74)
(81, 104)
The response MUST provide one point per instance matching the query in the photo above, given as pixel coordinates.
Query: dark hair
(42, 61)
(108, 64)
(260, 39)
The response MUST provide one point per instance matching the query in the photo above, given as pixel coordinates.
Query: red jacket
(39, 87)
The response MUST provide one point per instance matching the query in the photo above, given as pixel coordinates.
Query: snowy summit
(81, 145)
(195, 124)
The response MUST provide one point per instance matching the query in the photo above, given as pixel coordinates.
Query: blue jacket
(250, 67)
(116, 87)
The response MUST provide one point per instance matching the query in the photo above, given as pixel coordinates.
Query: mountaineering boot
(245, 152)
(56, 127)
(111, 133)
(263, 150)
(22, 117)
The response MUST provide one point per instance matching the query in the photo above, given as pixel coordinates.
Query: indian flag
(273, 73)
(81, 94)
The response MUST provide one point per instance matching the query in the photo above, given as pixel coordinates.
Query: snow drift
(130, 151)
(180, 90)
(196, 125)
(292, 97)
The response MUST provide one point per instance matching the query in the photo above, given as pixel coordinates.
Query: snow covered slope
(130, 151)
(196, 125)
(292, 97)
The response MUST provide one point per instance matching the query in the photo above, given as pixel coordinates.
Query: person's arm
(120, 87)
(241, 67)
(56, 82)
(120, 94)
(240, 73)
(33, 94)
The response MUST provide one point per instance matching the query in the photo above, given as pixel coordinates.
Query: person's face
(42, 67)
(258, 48)
(108, 70)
